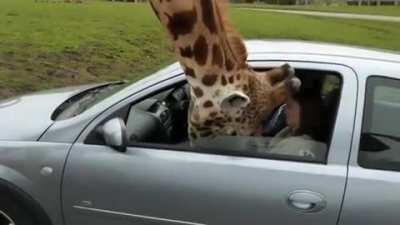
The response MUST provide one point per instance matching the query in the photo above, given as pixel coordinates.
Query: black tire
(13, 212)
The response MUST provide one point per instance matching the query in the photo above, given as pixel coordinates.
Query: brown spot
(209, 79)
(213, 114)
(181, 23)
(208, 123)
(231, 79)
(200, 50)
(208, 15)
(208, 104)
(217, 56)
(190, 72)
(219, 119)
(186, 52)
(238, 76)
(223, 80)
(220, 125)
(229, 64)
(198, 92)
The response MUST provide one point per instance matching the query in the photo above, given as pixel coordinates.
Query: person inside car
(306, 131)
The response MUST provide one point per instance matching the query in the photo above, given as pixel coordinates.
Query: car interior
(162, 117)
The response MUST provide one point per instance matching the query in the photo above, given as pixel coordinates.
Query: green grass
(44, 45)
(372, 10)
(354, 32)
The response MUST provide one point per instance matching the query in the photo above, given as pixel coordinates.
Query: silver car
(118, 154)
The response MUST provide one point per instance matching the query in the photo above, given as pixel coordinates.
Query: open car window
(160, 122)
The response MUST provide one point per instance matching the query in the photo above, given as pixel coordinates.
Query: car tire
(12, 212)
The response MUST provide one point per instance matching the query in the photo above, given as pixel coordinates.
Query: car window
(159, 121)
(380, 138)
(85, 100)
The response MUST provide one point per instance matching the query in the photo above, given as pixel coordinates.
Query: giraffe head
(228, 97)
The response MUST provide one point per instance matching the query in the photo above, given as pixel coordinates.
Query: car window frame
(332, 156)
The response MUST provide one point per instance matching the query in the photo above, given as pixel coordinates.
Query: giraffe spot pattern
(209, 79)
(208, 122)
(238, 76)
(224, 82)
(208, 104)
(200, 50)
(231, 79)
(229, 64)
(208, 15)
(213, 114)
(198, 92)
(186, 52)
(181, 23)
(190, 72)
(217, 56)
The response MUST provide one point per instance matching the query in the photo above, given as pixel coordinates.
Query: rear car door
(163, 185)
(373, 190)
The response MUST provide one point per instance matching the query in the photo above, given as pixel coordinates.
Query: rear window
(380, 138)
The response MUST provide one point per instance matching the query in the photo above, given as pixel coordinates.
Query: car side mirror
(114, 134)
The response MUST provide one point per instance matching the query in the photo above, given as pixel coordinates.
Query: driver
(306, 129)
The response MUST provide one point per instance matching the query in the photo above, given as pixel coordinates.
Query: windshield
(85, 100)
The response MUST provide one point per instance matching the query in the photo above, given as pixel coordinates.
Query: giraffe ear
(234, 101)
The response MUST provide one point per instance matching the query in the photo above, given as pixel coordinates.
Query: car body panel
(145, 186)
(27, 117)
(22, 163)
(372, 196)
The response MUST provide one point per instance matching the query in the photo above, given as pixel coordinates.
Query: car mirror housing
(114, 134)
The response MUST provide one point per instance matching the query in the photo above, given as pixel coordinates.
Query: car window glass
(380, 137)
(83, 101)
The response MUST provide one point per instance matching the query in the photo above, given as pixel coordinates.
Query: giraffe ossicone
(227, 96)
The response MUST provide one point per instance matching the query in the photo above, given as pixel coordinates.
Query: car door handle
(306, 201)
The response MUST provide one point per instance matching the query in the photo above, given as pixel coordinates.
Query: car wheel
(13, 213)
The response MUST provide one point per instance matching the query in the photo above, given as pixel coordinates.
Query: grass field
(45, 45)
(372, 10)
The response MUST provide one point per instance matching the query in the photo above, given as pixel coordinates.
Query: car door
(166, 186)
(373, 190)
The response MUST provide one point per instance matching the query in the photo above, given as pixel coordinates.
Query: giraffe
(228, 98)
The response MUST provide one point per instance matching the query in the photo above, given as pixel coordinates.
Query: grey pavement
(331, 14)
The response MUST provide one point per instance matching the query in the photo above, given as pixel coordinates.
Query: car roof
(320, 48)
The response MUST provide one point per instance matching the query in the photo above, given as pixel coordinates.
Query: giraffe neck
(201, 43)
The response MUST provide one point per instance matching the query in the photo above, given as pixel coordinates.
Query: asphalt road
(330, 14)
